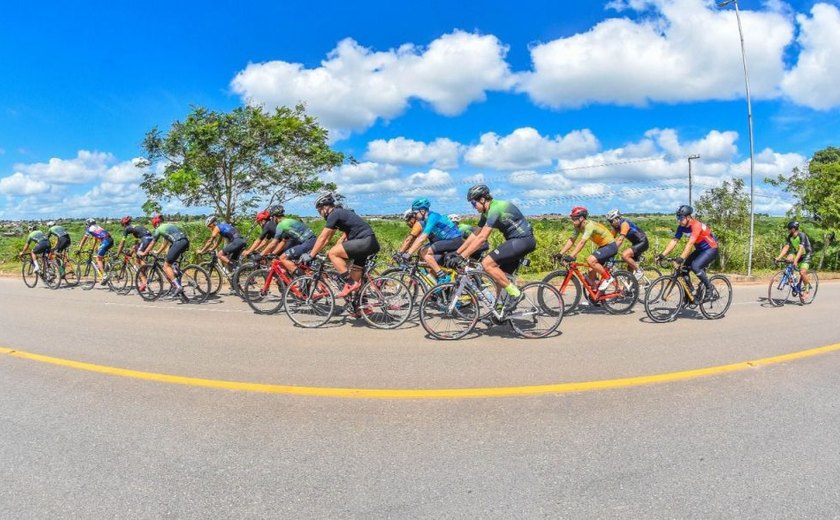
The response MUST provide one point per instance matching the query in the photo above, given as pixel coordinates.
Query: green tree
(726, 209)
(230, 161)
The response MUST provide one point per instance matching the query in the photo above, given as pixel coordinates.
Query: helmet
(478, 191)
(126, 220)
(277, 210)
(454, 217)
(421, 203)
(51, 223)
(684, 211)
(32, 227)
(793, 224)
(156, 220)
(210, 220)
(90, 222)
(325, 199)
(262, 216)
(613, 214)
(579, 211)
(409, 214)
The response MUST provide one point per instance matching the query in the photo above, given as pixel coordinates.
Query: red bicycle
(618, 298)
(264, 288)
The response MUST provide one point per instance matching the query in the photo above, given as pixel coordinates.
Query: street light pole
(690, 158)
(750, 124)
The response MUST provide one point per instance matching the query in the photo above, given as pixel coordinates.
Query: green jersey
(58, 231)
(294, 231)
(466, 230)
(507, 218)
(36, 236)
(170, 232)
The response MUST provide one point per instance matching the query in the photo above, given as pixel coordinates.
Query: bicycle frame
(594, 294)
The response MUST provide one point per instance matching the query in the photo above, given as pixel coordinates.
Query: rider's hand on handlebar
(679, 260)
(568, 258)
(305, 258)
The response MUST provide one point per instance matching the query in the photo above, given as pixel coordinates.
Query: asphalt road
(757, 443)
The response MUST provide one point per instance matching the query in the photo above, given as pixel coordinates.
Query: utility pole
(690, 158)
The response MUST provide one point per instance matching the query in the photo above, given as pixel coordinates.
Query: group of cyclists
(439, 240)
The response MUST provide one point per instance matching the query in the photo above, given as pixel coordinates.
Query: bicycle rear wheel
(119, 279)
(664, 299)
(649, 274)
(626, 290)
(71, 273)
(50, 274)
(721, 298)
(385, 302)
(215, 276)
(449, 313)
(814, 282)
(149, 282)
(309, 302)
(87, 275)
(240, 275)
(196, 284)
(30, 277)
(539, 312)
(571, 293)
(416, 287)
(262, 298)
(778, 293)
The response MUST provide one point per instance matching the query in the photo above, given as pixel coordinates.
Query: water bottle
(488, 294)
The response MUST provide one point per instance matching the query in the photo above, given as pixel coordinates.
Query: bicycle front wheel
(714, 306)
(71, 273)
(149, 282)
(385, 302)
(778, 293)
(622, 293)
(807, 296)
(30, 277)
(263, 292)
(240, 275)
(539, 312)
(649, 274)
(570, 291)
(50, 275)
(118, 281)
(664, 299)
(87, 275)
(215, 276)
(309, 302)
(447, 312)
(196, 284)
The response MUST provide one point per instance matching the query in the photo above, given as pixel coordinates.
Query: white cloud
(813, 80)
(355, 86)
(442, 152)
(526, 148)
(20, 184)
(684, 50)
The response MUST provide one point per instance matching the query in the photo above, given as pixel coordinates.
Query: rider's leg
(699, 261)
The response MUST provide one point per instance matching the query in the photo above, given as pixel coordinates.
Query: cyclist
(705, 246)
(799, 242)
(235, 242)
(442, 234)
(143, 236)
(467, 230)
(269, 229)
(42, 245)
(415, 230)
(519, 238)
(623, 228)
(62, 237)
(600, 236)
(178, 245)
(105, 243)
(292, 239)
(357, 243)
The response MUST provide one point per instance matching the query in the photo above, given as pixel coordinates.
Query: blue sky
(596, 102)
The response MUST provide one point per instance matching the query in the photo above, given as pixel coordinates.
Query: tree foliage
(230, 161)
(727, 210)
(817, 189)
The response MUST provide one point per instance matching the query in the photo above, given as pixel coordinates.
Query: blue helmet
(421, 203)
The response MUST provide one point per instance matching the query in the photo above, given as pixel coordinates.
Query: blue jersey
(439, 227)
(228, 232)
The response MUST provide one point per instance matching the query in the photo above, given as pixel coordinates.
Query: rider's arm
(576, 251)
(477, 240)
(279, 247)
(406, 243)
(417, 243)
(120, 248)
(212, 242)
(569, 243)
(82, 242)
(669, 247)
(269, 247)
(323, 238)
(258, 243)
(799, 254)
(148, 248)
(341, 239)
(783, 252)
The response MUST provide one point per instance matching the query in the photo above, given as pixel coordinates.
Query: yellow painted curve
(431, 393)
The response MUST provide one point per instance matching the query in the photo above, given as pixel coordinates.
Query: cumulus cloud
(812, 81)
(356, 86)
(442, 152)
(526, 148)
(20, 184)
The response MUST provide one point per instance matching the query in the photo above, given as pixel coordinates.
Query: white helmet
(613, 214)
(210, 220)
(51, 223)
(455, 218)
(90, 222)
(409, 214)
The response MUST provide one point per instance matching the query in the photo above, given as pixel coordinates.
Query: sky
(552, 104)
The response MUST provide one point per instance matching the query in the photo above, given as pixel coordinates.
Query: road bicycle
(618, 298)
(264, 288)
(787, 283)
(649, 273)
(451, 311)
(150, 281)
(234, 273)
(47, 271)
(669, 294)
(66, 269)
(87, 269)
(384, 302)
(122, 271)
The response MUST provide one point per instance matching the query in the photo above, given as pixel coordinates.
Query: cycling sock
(36, 265)
(513, 291)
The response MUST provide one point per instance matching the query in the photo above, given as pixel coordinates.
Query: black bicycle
(150, 281)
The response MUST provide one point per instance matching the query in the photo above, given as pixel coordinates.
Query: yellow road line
(431, 393)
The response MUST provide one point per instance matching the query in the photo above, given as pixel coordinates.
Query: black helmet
(277, 210)
(685, 211)
(325, 199)
(793, 224)
(478, 191)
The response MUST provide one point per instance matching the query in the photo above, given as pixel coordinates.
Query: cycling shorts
(294, 252)
(640, 248)
(178, 248)
(42, 247)
(510, 252)
(107, 243)
(234, 248)
(445, 246)
(602, 254)
(62, 244)
(804, 262)
(144, 243)
(359, 249)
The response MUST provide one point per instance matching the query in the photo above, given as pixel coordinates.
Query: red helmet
(262, 216)
(126, 220)
(156, 220)
(579, 211)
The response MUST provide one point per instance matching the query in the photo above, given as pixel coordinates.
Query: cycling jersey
(416, 229)
(97, 232)
(36, 236)
(598, 233)
(439, 227)
(507, 218)
(800, 239)
(228, 232)
(138, 232)
(170, 232)
(348, 222)
(58, 231)
(269, 229)
(701, 233)
(293, 231)
(630, 230)
(467, 230)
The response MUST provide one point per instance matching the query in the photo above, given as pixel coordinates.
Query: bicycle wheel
(149, 282)
(196, 284)
(415, 284)
(385, 302)
(814, 282)
(721, 298)
(50, 275)
(488, 289)
(262, 298)
(58, 269)
(30, 277)
(539, 312)
(309, 302)
(71, 273)
(447, 312)
(664, 299)
(240, 275)
(570, 291)
(87, 275)
(649, 274)
(778, 293)
(625, 289)
(215, 275)
(119, 277)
